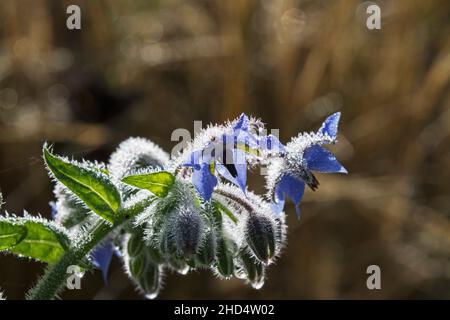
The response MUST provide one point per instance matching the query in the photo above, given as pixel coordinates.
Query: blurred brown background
(144, 68)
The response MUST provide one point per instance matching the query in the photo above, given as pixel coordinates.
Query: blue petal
(291, 187)
(271, 143)
(204, 181)
(243, 123)
(240, 164)
(277, 206)
(101, 258)
(194, 159)
(246, 138)
(320, 159)
(330, 125)
(198, 157)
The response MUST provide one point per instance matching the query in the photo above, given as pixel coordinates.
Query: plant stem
(53, 280)
(243, 203)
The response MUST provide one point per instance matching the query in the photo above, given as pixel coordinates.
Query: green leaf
(91, 186)
(159, 183)
(11, 234)
(38, 238)
(225, 210)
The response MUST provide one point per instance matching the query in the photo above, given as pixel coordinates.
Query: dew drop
(258, 284)
(151, 296)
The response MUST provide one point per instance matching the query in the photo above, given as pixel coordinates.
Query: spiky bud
(155, 255)
(67, 209)
(136, 266)
(139, 264)
(134, 154)
(254, 270)
(135, 245)
(167, 243)
(224, 259)
(188, 231)
(260, 235)
(207, 252)
(149, 281)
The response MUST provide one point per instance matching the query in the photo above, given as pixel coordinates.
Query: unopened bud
(155, 255)
(253, 269)
(187, 231)
(136, 266)
(260, 235)
(224, 263)
(167, 244)
(207, 252)
(135, 245)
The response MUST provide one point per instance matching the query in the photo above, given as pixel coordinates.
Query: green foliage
(159, 183)
(33, 238)
(222, 209)
(11, 235)
(92, 186)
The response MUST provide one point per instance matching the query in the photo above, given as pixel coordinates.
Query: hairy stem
(243, 203)
(53, 280)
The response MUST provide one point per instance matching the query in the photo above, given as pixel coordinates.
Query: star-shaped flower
(227, 156)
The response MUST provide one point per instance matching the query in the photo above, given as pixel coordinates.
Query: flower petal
(101, 258)
(197, 157)
(238, 175)
(204, 181)
(277, 206)
(322, 160)
(243, 123)
(271, 143)
(330, 125)
(194, 159)
(293, 188)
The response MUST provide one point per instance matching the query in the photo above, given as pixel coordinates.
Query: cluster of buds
(208, 219)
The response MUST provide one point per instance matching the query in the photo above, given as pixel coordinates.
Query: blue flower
(303, 155)
(226, 156)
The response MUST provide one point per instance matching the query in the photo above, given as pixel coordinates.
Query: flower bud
(207, 252)
(149, 281)
(67, 209)
(135, 245)
(136, 266)
(224, 259)
(253, 269)
(135, 153)
(187, 230)
(167, 243)
(155, 255)
(260, 236)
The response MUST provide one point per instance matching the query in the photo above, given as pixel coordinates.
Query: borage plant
(157, 214)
